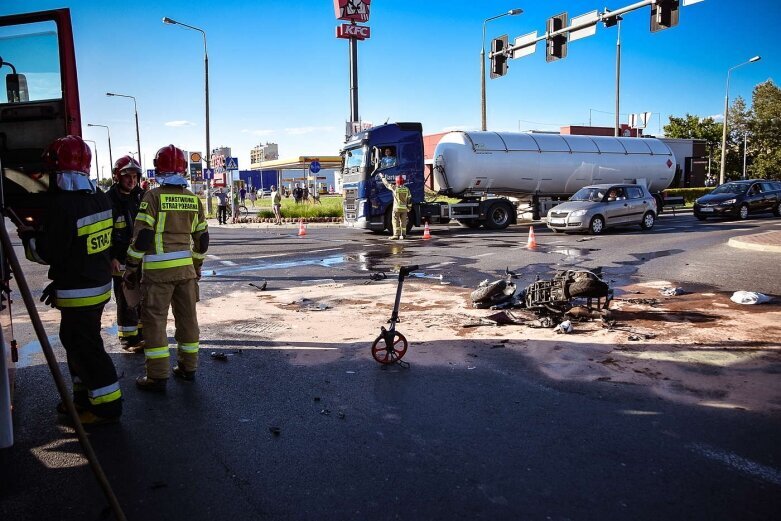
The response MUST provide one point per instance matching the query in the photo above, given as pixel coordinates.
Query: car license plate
(556, 221)
(706, 210)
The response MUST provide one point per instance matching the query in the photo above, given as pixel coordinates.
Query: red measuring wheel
(389, 354)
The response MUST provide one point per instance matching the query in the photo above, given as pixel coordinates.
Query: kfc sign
(352, 10)
(359, 32)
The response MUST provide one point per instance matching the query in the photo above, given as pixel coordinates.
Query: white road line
(229, 263)
(483, 255)
(326, 249)
(433, 266)
(269, 256)
(744, 465)
(215, 257)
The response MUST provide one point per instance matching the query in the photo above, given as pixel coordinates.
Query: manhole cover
(257, 328)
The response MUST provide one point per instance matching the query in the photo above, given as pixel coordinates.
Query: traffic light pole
(616, 131)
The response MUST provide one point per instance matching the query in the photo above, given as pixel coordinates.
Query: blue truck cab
(390, 150)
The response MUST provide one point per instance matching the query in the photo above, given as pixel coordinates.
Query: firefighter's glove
(131, 277)
(197, 273)
(47, 296)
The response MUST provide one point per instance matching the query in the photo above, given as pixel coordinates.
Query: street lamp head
(513, 12)
(755, 59)
(168, 21)
(90, 125)
(110, 94)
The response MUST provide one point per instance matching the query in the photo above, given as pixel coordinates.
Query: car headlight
(730, 201)
(578, 213)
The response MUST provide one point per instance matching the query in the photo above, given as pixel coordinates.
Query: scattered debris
(273, 429)
(749, 297)
(497, 294)
(634, 338)
(219, 356)
(317, 398)
(262, 286)
(376, 276)
(673, 292)
(584, 239)
(640, 301)
(421, 275)
(326, 412)
(340, 415)
(565, 327)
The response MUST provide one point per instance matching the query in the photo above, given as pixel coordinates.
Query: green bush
(689, 194)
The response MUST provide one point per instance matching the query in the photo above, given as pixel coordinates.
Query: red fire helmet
(126, 163)
(68, 154)
(399, 180)
(170, 160)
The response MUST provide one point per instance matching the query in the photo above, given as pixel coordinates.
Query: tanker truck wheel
(499, 215)
(597, 225)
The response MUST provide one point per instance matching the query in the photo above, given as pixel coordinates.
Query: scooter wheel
(386, 354)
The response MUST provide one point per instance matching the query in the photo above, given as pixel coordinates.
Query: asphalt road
(433, 442)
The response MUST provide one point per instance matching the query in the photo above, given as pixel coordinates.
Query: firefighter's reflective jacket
(170, 235)
(75, 242)
(125, 208)
(402, 197)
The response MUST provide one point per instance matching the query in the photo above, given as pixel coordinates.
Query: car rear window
(635, 192)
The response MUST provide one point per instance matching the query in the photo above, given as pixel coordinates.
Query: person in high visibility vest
(170, 239)
(402, 199)
(74, 242)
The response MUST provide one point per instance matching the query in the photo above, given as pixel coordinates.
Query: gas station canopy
(302, 163)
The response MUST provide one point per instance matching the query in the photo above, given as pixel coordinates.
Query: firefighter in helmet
(170, 239)
(74, 241)
(125, 196)
(401, 204)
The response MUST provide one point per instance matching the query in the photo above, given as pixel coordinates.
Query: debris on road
(749, 297)
(673, 292)
(326, 412)
(374, 277)
(640, 301)
(273, 429)
(565, 327)
(261, 287)
(219, 356)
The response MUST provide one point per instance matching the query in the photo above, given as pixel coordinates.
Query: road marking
(442, 264)
(269, 256)
(744, 465)
(215, 257)
(326, 249)
(229, 263)
(295, 348)
(483, 255)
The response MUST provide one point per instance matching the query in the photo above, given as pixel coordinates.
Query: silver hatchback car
(594, 208)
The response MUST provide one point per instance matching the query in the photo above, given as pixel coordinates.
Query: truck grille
(349, 199)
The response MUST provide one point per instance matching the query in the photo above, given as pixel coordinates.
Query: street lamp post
(108, 133)
(135, 108)
(511, 12)
(726, 115)
(97, 167)
(169, 21)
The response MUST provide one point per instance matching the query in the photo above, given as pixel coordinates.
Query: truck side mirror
(375, 159)
(16, 88)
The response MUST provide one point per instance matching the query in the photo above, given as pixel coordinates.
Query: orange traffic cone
(301, 228)
(532, 242)
(426, 232)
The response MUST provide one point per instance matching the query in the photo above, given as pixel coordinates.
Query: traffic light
(498, 58)
(556, 45)
(664, 14)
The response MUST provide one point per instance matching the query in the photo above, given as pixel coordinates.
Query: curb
(745, 242)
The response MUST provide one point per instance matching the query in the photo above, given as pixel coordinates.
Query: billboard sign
(359, 32)
(352, 10)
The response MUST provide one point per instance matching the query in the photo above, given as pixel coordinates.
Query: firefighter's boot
(150, 384)
(181, 373)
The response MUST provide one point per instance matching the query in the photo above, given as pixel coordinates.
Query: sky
(277, 73)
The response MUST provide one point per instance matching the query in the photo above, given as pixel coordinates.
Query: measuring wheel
(391, 353)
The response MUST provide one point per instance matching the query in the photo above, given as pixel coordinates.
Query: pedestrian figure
(75, 242)
(170, 238)
(222, 206)
(253, 196)
(276, 204)
(125, 196)
(242, 195)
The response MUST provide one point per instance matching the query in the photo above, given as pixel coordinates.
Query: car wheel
(486, 292)
(743, 212)
(700, 217)
(777, 209)
(597, 225)
(648, 221)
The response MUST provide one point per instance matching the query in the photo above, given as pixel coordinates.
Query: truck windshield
(731, 188)
(588, 194)
(31, 50)
(354, 158)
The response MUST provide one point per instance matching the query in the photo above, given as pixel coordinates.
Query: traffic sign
(314, 167)
(208, 173)
(231, 163)
(150, 174)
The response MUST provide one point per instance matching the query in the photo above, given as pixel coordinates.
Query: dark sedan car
(740, 199)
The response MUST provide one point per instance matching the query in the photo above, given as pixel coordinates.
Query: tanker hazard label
(178, 203)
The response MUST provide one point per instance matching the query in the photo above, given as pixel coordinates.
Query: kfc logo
(352, 10)
(359, 32)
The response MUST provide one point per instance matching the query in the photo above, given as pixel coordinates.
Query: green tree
(740, 118)
(694, 127)
(765, 131)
